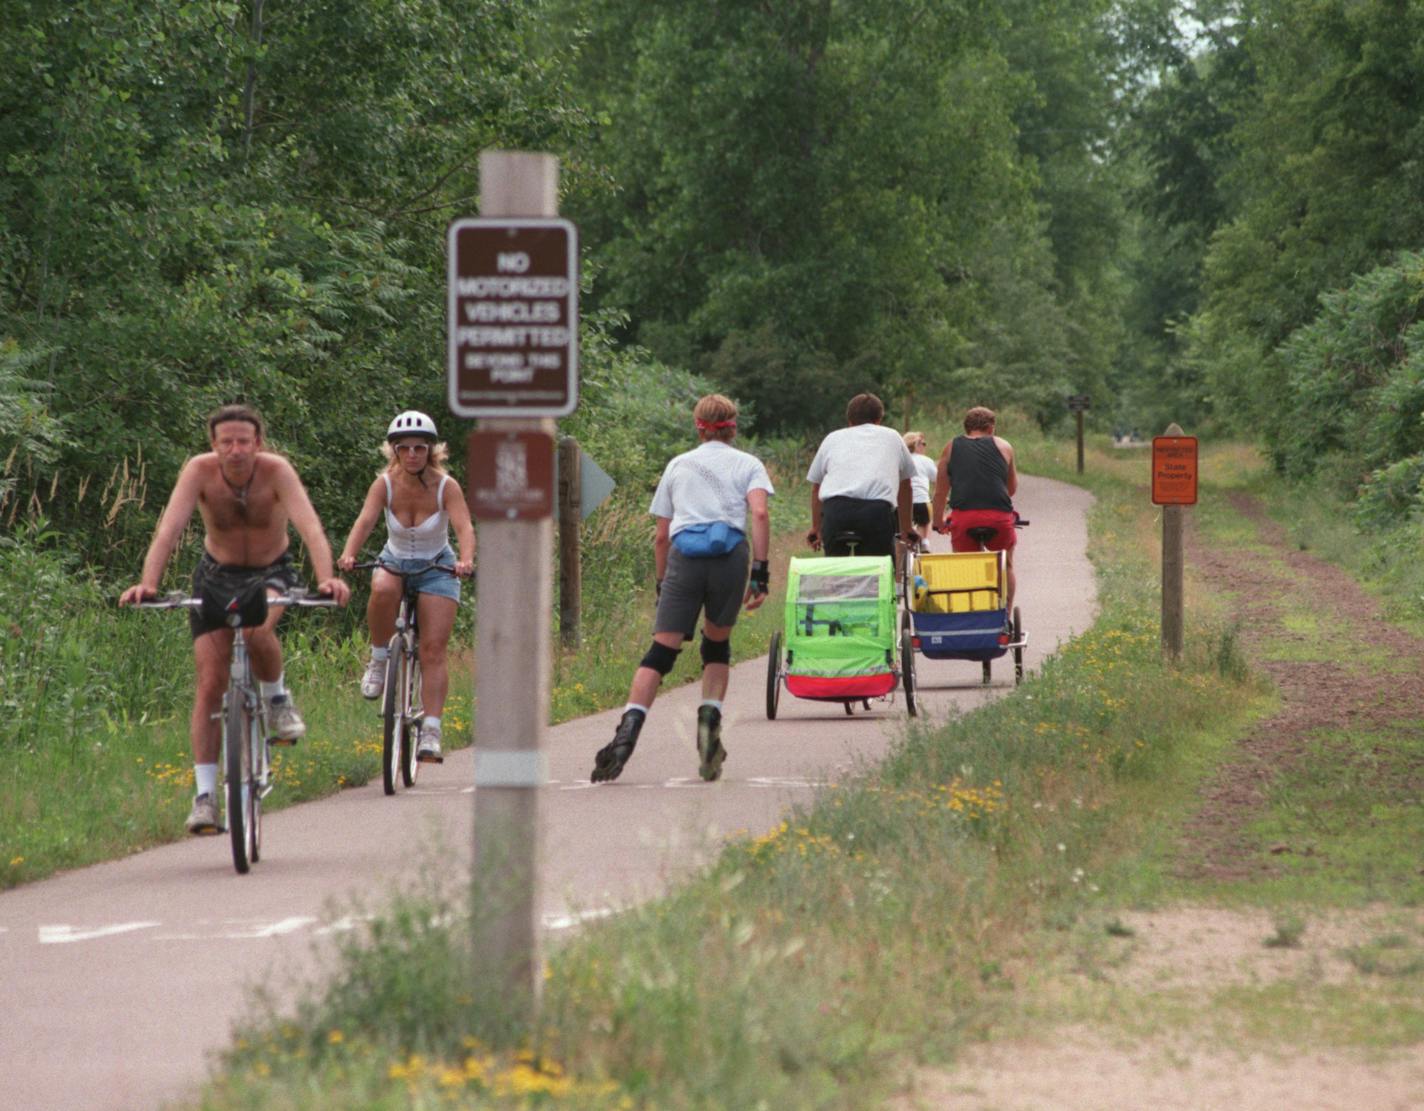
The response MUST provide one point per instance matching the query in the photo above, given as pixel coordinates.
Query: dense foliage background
(1195, 212)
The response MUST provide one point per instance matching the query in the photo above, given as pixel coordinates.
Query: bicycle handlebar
(430, 565)
(297, 596)
(943, 526)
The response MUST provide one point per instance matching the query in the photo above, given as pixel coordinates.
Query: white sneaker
(284, 723)
(203, 819)
(373, 682)
(428, 750)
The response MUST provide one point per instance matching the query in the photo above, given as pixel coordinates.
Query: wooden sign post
(1078, 404)
(1174, 486)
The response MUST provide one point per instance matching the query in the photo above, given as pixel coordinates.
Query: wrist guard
(761, 576)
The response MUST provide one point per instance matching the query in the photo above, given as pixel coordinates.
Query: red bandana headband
(714, 425)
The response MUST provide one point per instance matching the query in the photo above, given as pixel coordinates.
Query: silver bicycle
(245, 762)
(402, 705)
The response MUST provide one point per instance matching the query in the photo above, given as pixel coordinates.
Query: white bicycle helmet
(411, 423)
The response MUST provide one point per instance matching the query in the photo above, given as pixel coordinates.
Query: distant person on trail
(420, 502)
(246, 495)
(978, 476)
(860, 482)
(701, 555)
(921, 482)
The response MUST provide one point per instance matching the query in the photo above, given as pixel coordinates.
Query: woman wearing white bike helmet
(421, 503)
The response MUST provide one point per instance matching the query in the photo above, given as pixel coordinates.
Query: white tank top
(425, 540)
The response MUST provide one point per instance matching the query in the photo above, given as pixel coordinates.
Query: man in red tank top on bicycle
(978, 476)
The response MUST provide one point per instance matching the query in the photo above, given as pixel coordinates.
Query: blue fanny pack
(702, 541)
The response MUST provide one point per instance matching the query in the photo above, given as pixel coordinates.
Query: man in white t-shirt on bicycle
(860, 483)
(703, 504)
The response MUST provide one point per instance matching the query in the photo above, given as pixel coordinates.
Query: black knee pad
(660, 658)
(716, 651)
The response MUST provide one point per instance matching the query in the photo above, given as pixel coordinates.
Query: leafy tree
(217, 200)
(817, 197)
(1326, 178)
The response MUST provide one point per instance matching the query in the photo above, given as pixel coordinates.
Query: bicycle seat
(982, 534)
(848, 539)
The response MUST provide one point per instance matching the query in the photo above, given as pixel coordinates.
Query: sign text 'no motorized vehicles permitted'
(513, 318)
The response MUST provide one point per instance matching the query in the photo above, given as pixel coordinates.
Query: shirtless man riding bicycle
(247, 496)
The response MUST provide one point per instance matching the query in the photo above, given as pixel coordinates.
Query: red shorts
(962, 520)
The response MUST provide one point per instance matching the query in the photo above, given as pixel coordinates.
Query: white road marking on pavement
(785, 781)
(269, 929)
(344, 925)
(565, 921)
(60, 935)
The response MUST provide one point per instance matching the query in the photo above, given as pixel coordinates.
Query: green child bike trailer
(840, 637)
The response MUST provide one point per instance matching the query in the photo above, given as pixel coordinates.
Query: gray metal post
(512, 688)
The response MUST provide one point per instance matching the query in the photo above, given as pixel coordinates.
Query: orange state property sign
(1174, 470)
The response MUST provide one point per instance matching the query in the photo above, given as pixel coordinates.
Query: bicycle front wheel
(236, 725)
(257, 772)
(392, 712)
(415, 712)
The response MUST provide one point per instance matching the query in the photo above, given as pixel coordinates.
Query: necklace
(239, 493)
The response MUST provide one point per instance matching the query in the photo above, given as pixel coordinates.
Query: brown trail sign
(513, 317)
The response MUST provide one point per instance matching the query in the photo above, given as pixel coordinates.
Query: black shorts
(873, 520)
(920, 512)
(714, 586)
(279, 575)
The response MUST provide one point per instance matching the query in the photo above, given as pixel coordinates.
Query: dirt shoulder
(1288, 975)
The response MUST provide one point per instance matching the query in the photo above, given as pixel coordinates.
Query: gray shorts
(714, 585)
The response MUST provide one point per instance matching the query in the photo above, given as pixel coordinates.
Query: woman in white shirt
(921, 482)
(421, 502)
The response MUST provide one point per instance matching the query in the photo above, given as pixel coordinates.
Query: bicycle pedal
(428, 758)
(283, 742)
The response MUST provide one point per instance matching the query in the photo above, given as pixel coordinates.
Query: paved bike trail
(120, 980)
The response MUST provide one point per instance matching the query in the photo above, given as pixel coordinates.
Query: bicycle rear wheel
(236, 725)
(392, 713)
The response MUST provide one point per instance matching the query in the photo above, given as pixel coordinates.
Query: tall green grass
(883, 925)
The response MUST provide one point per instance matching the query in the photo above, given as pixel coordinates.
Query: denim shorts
(430, 581)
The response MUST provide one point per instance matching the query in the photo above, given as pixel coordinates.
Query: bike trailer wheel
(773, 676)
(907, 672)
(1017, 629)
